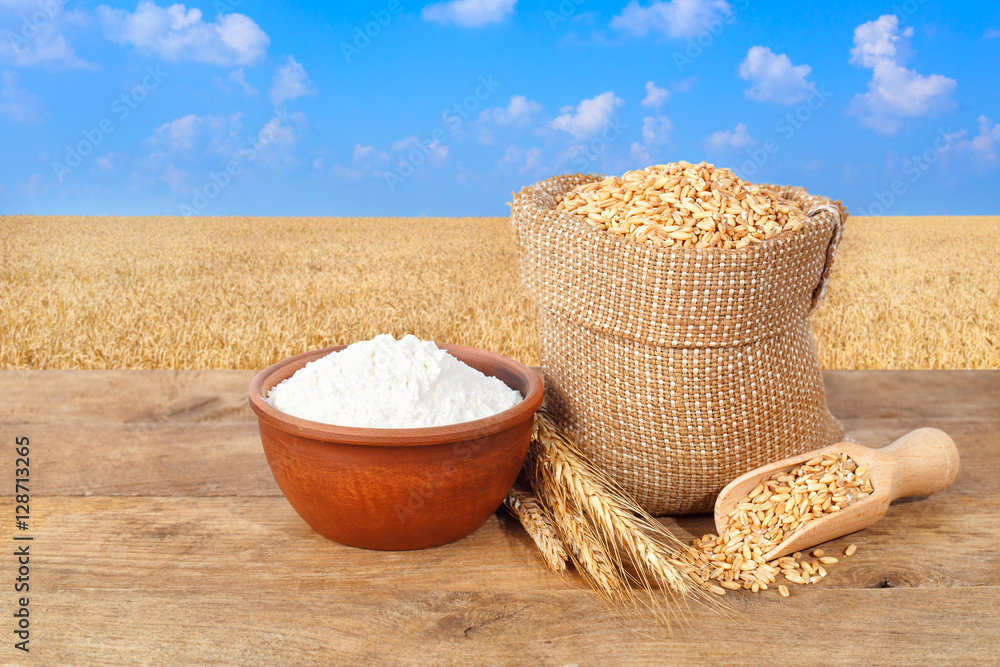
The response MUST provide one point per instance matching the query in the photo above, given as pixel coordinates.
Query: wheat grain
(684, 205)
(774, 510)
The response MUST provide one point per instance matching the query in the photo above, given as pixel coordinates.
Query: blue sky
(408, 108)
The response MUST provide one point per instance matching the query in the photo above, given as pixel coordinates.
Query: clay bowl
(398, 488)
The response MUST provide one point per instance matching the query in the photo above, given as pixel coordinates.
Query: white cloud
(177, 135)
(532, 160)
(684, 85)
(403, 143)
(590, 117)
(655, 96)
(175, 178)
(224, 133)
(435, 151)
(881, 40)
(774, 77)
(512, 155)
(216, 134)
(986, 143)
(240, 79)
(276, 139)
(984, 148)
(523, 160)
(39, 40)
(21, 105)
(656, 130)
(519, 111)
(111, 161)
(992, 33)
(640, 153)
(176, 33)
(438, 152)
(290, 82)
(468, 13)
(34, 184)
(673, 18)
(365, 157)
(735, 138)
(344, 173)
(363, 153)
(895, 92)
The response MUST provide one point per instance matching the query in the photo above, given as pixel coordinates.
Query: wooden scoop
(920, 463)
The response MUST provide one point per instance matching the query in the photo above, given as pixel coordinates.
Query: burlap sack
(678, 369)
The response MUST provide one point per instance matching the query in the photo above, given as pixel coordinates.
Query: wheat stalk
(650, 547)
(585, 546)
(530, 513)
(619, 549)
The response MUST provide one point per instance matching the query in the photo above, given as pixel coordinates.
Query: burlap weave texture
(678, 369)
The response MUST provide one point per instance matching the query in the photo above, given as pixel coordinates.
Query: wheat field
(147, 293)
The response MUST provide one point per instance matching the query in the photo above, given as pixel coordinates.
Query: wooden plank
(917, 395)
(497, 627)
(69, 397)
(220, 569)
(241, 580)
(261, 547)
(226, 458)
(171, 458)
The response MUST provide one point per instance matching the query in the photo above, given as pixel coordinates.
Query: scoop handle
(926, 462)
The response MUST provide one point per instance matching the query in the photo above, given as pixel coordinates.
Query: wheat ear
(524, 505)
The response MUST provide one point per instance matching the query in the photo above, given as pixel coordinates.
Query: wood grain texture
(160, 538)
(244, 580)
(62, 397)
(226, 458)
(139, 539)
(495, 627)
(951, 395)
(109, 397)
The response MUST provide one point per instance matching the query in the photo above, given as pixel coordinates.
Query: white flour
(389, 383)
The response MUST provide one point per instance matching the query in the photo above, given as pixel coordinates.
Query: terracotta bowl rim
(395, 437)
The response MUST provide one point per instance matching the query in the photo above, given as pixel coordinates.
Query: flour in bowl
(389, 383)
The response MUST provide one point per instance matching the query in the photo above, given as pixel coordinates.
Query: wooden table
(160, 537)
